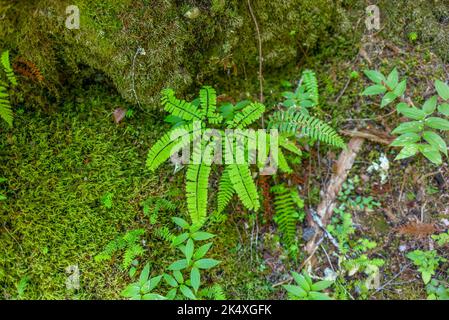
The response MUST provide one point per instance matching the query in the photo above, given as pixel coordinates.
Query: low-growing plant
(427, 262)
(306, 289)
(5, 106)
(421, 133)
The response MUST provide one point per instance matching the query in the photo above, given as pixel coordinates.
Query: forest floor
(62, 163)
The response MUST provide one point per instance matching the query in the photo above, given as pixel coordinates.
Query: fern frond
(208, 103)
(180, 108)
(7, 68)
(5, 106)
(197, 189)
(285, 143)
(240, 176)
(225, 191)
(287, 204)
(165, 234)
(292, 121)
(282, 163)
(170, 143)
(248, 115)
(214, 292)
(131, 253)
(311, 85)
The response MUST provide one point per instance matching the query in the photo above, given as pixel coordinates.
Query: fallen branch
(381, 138)
(327, 205)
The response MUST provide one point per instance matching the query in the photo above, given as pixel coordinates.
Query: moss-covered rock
(186, 42)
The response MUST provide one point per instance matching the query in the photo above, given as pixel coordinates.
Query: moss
(216, 43)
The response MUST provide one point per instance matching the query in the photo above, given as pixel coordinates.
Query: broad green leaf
(151, 284)
(444, 109)
(426, 276)
(410, 112)
(407, 151)
(195, 278)
(187, 292)
(189, 250)
(405, 139)
(400, 88)
(431, 153)
(153, 296)
(299, 278)
(295, 290)
(321, 285)
(375, 76)
(442, 89)
(178, 276)
(435, 140)
(200, 236)
(172, 294)
(180, 239)
(201, 251)
(181, 222)
(430, 105)
(387, 99)
(412, 126)
(319, 296)
(373, 90)
(393, 78)
(170, 280)
(144, 274)
(178, 265)
(307, 277)
(206, 263)
(132, 290)
(438, 123)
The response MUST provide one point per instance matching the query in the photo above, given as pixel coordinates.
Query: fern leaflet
(311, 85)
(225, 191)
(5, 107)
(180, 108)
(240, 176)
(7, 68)
(248, 115)
(208, 102)
(197, 190)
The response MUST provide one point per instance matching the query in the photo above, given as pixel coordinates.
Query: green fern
(208, 102)
(225, 191)
(165, 234)
(197, 191)
(129, 242)
(5, 106)
(311, 85)
(7, 68)
(292, 121)
(180, 108)
(240, 176)
(288, 207)
(248, 115)
(214, 292)
(171, 142)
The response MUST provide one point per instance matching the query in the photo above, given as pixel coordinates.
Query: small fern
(180, 108)
(5, 106)
(248, 115)
(292, 121)
(7, 68)
(311, 85)
(129, 243)
(214, 292)
(225, 191)
(288, 211)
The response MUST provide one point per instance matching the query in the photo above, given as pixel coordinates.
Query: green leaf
(299, 278)
(206, 263)
(435, 140)
(178, 265)
(187, 292)
(153, 296)
(444, 109)
(308, 278)
(172, 294)
(426, 276)
(201, 235)
(144, 274)
(201, 251)
(180, 239)
(321, 285)
(195, 278)
(178, 276)
(2, 197)
(319, 296)
(131, 291)
(407, 151)
(181, 222)
(442, 89)
(151, 284)
(387, 99)
(410, 112)
(170, 280)
(431, 153)
(400, 88)
(393, 78)
(437, 123)
(406, 127)
(405, 139)
(189, 250)
(373, 90)
(430, 105)
(295, 290)
(375, 76)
